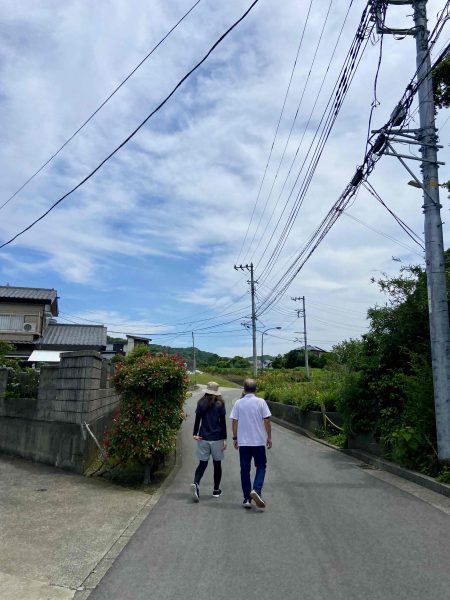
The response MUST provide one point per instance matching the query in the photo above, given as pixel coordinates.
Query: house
(133, 341)
(67, 337)
(60, 337)
(24, 316)
(113, 349)
(316, 350)
(27, 320)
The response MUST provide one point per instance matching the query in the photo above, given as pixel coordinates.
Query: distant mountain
(201, 356)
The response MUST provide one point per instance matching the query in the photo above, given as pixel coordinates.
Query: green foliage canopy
(441, 83)
(388, 387)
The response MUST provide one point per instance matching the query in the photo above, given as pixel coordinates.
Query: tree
(390, 390)
(278, 362)
(441, 83)
(441, 91)
(294, 359)
(223, 363)
(5, 347)
(239, 362)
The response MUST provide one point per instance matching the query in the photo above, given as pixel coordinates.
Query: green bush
(153, 389)
(444, 475)
(22, 383)
(408, 446)
(290, 387)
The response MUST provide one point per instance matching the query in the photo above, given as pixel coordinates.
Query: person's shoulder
(201, 404)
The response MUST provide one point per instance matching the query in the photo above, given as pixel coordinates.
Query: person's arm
(198, 419)
(223, 423)
(234, 428)
(268, 426)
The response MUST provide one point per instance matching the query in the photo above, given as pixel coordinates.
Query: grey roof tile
(73, 335)
(26, 293)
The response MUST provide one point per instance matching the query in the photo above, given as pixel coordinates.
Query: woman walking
(210, 431)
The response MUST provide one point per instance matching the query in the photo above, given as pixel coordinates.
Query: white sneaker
(195, 492)
(257, 499)
(247, 504)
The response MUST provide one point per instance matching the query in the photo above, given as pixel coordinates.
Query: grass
(288, 386)
(332, 436)
(204, 378)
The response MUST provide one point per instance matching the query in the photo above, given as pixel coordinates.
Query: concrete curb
(103, 566)
(381, 463)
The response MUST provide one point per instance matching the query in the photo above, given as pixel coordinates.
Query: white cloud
(160, 227)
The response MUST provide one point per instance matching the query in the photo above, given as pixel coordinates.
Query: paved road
(331, 530)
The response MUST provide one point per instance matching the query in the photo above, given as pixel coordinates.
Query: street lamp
(262, 344)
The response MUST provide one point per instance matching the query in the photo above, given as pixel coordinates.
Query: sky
(148, 244)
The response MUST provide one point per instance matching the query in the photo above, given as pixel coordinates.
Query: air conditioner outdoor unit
(29, 326)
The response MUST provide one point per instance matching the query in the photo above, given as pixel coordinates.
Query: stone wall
(50, 428)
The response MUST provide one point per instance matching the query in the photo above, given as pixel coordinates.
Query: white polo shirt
(250, 411)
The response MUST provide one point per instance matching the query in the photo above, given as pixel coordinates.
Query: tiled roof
(26, 293)
(73, 335)
(316, 349)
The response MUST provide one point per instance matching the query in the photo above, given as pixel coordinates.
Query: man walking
(252, 433)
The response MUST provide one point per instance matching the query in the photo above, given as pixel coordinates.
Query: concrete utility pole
(302, 311)
(194, 362)
(426, 137)
(252, 291)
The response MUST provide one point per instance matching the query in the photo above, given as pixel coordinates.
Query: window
(11, 322)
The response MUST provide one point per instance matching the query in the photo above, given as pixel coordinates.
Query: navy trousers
(258, 454)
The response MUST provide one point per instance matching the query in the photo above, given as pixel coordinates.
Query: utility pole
(302, 311)
(252, 291)
(426, 138)
(263, 333)
(194, 362)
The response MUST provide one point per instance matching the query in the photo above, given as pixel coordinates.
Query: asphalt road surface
(332, 530)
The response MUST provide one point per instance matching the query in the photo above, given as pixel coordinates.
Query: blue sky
(148, 244)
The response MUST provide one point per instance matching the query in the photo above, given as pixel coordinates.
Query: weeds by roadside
(331, 436)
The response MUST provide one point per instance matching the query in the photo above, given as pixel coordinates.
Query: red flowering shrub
(153, 389)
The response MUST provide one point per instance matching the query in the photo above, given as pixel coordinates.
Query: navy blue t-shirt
(210, 423)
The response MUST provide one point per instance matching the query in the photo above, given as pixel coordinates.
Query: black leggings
(199, 471)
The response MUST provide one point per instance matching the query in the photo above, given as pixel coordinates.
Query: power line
(301, 139)
(375, 101)
(276, 131)
(415, 238)
(325, 126)
(100, 107)
(133, 133)
(217, 316)
(382, 233)
(361, 174)
(319, 41)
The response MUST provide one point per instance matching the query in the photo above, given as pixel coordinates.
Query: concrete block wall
(3, 381)
(294, 415)
(50, 428)
(313, 419)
